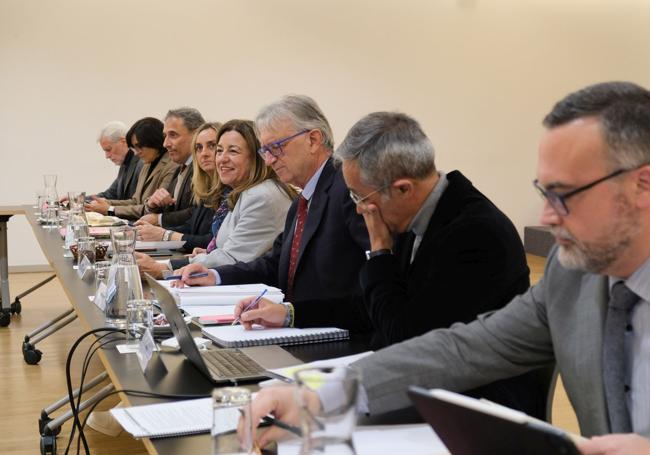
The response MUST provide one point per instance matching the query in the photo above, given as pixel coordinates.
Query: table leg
(5, 303)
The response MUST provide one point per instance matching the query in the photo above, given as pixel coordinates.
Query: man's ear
(315, 139)
(403, 187)
(643, 187)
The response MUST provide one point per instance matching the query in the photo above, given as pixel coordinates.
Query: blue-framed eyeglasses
(558, 201)
(275, 148)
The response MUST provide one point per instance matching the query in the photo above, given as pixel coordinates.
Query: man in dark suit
(172, 206)
(112, 140)
(446, 234)
(316, 260)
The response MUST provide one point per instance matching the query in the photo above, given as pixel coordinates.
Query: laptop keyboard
(231, 364)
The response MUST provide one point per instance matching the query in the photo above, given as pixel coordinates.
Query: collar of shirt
(188, 161)
(310, 187)
(638, 282)
(421, 220)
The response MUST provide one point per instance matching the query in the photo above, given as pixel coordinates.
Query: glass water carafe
(50, 188)
(124, 282)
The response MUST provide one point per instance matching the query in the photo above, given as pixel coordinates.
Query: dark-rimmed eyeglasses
(275, 148)
(558, 201)
(358, 199)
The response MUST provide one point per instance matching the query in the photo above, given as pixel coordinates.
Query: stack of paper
(223, 295)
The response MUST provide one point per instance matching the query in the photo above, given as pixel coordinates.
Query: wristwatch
(111, 211)
(372, 254)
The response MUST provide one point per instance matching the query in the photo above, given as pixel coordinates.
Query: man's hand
(196, 251)
(616, 444)
(149, 218)
(98, 204)
(149, 265)
(160, 198)
(187, 281)
(149, 233)
(265, 313)
(380, 236)
(281, 402)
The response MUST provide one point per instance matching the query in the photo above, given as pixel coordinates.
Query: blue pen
(192, 275)
(249, 306)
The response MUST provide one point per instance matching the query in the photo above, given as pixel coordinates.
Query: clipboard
(468, 426)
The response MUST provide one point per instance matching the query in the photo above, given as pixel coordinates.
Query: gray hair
(303, 113)
(113, 131)
(191, 117)
(388, 146)
(623, 109)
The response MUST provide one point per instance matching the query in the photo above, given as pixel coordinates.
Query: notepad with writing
(235, 336)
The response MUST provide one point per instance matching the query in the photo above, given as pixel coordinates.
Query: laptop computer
(468, 426)
(218, 365)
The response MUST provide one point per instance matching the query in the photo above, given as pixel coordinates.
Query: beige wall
(478, 75)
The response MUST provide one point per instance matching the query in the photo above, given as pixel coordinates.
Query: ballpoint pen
(249, 306)
(192, 275)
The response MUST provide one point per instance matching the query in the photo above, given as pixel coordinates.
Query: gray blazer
(248, 231)
(560, 319)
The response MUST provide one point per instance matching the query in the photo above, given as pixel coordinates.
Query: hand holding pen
(256, 310)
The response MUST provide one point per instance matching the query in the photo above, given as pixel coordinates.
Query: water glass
(86, 248)
(52, 216)
(139, 319)
(42, 207)
(76, 199)
(123, 240)
(228, 404)
(331, 427)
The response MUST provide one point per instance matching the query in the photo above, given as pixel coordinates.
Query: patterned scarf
(218, 218)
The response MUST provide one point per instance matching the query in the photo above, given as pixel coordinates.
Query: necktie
(295, 244)
(621, 302)
(179, 181)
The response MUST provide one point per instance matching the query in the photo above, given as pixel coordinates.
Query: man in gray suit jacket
(112, 140)
(594, 175)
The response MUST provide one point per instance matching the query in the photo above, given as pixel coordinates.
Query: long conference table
(167, 373)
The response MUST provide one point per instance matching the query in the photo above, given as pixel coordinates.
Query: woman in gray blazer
(257, 202)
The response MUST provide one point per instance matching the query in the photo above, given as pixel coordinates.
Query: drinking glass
(329, 428)
(86, 248)
(228, 404)
(52, 216)
(139, 319)
(42, 207)
(123, 240)
(76, 199)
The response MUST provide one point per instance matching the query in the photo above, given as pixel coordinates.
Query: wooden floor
(26, 389)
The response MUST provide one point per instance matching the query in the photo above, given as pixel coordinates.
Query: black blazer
(326, 285)
(471, 260)
(181, 211)
(197, 230)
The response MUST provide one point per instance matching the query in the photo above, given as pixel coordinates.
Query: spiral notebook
(235, 336)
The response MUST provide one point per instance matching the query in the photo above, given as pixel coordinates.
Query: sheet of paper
(382, 440)
(208, 310)
(288, 372)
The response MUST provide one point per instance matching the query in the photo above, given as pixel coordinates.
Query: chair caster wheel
(31, 355)
(16, 307)
(48, 445)
(5, 318)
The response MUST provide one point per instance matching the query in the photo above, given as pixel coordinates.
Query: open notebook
(235, 336)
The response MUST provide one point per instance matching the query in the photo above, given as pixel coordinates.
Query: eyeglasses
(275, 148)
(558, 201)
(358, 199)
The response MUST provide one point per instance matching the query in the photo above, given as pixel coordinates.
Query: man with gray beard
(590, 313)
